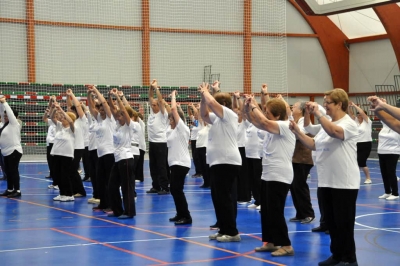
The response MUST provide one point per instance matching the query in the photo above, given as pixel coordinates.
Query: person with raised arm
(122, 172)
(51, 132)
(178, 161)
(157, 124)
(11, 149)
(277, 173)
(364, 143)
(194, 133)
(81, 128)
(105, 147)
(63, 151)
(224, 159)
(338, 173)
(302, 163)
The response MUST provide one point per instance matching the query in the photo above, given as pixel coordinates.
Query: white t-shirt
(92, 132)
(104, 135)
(336, 160)
(388, 141)
(261, 136)
(241, 134)
(252, 142)
(86, 133)
(278, 154)
(197, 126)
(156, 126)
(177, 143)
(10, 138)
(202, 137)
(222, 145)
(51, 132)
(122, 136)
(64, 141)
(135, 136)
(142, 140)
(364, 130)
(80, 126)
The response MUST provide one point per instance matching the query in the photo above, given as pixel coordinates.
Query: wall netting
(127, 43)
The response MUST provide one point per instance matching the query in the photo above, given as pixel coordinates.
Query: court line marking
(149, 231)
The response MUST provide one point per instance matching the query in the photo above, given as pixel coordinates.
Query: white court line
(376, 228)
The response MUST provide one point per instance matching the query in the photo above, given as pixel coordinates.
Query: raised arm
(91, 104)
(264, 96)
(330, 128)
(122, 108)
(388, 119)
(360, 111)
(215, 87)
(257, 118)
(300, 135)
(75, 102)
(111, 103)
(160, 100)
(210, 102)
(10, 114)
(378, 104)
(101, 100)
(174, 107)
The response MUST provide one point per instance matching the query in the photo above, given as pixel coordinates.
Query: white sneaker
(214, 236)
(56, 187)
(227, 238)
(50, 186)
(91, 200)
(135, 199)
(308, 176)
(258, 207)
(392, 197)
(252, 206)
(243, 202)
(385, 196)
(398, 178)
(58, 198)
(368, 181)
(67, 198)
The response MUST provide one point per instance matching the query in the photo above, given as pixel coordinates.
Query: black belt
(134, 145)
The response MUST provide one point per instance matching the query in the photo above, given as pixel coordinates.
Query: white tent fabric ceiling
(360, 23)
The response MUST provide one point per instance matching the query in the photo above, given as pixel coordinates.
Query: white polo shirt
(177, 143)
(156, 126)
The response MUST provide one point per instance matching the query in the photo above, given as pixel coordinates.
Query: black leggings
(178, 175)
(12, 163)
(388, 164)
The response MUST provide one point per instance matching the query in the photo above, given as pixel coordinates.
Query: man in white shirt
(158, 152)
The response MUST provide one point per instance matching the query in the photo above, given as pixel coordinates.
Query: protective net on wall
(180, 43)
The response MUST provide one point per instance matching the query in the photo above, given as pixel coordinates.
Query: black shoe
(319, 229)
(163, 192)
(6, 193)
(328, 262)
(184, 221)
(3, 178)
(214, 226)
(307, 220)
(152, 191)
(175, 219)
(327, 232)
(295, 219)
(203, 186)
(86, 179)
(14, 194)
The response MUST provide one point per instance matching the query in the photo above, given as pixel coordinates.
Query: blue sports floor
(35, 230)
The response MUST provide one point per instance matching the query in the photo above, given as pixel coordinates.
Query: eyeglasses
(327, 103)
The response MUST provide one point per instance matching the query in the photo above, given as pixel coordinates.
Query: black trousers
(321, 206)
(205, 168)
(224, 194)
(178, 175)
(340, 216)
(2, 165)
(300, 191)
(122, 175)
(195, 156)
(63, 172)
(388, 164)
(139, 168)
(254, 171)
(158, 154)
(104, 165)
(273, 224)
(77, 184)
(85, 162)
(12, 172)
(93, 158)
(50, 160)
(243, 183)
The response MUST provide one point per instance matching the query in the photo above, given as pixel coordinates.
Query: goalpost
(47, 47)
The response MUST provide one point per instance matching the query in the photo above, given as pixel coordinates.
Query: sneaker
(67, 198)
(152, 191)
(6, 193)
(163, 192)
(227, 238)
(391, 197)
(58, 198)
(295, 219)
(328, 261)
(307, 220)
(50, 186)
(259, 207)
(214, 237)
(56, 187)
(78, 195)
(137, 181)
(308, 176)
(14, 194)
(384, 196)
(243, 202)
(252, 206)
(214, 227)
(91, 200)
(367, 181)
